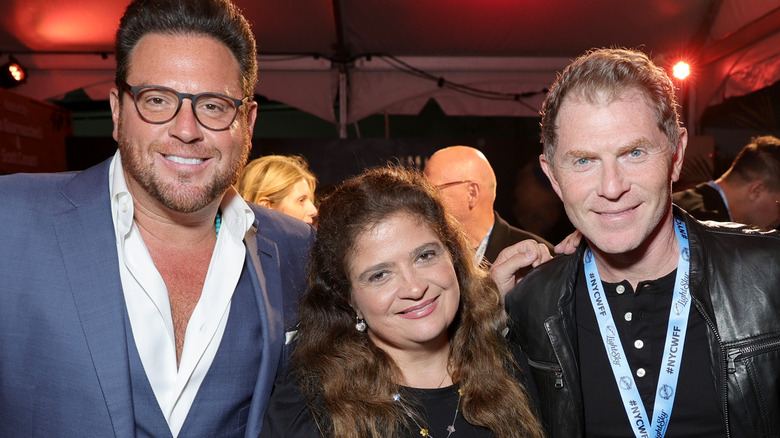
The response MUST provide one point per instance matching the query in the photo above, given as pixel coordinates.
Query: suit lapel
(266, 276)
(497, 239)
(85, 234)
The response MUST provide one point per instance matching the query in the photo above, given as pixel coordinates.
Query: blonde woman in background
(280, 182)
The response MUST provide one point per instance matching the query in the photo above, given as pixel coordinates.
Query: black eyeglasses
(453, 183)
(157, 105)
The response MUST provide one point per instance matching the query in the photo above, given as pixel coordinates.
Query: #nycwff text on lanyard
(673, 346)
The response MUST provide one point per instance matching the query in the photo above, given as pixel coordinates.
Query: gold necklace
(424, 431)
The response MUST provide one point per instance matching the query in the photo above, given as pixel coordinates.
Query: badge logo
(665, 392)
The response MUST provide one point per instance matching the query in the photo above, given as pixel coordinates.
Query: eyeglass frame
(134, 90)
(452, 183)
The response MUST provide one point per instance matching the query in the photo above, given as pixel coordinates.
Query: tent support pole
(342, 104)
(693, 125)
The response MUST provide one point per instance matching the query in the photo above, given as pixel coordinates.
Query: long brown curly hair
(346, 378)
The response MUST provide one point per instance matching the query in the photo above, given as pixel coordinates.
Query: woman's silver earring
(360, 325)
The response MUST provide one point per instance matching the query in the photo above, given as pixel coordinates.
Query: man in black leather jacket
(610, 363)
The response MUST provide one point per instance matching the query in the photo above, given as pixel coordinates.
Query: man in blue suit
(143, 296)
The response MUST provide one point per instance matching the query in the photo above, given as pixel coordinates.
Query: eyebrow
(371, 269)
(424, 246)
(639, 142)
(384, 265)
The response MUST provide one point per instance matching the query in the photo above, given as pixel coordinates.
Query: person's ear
(114, 97)
(679, 154)
(547, 169)
(251, 117)
(754, 190)
(264, 201)
(474, 192)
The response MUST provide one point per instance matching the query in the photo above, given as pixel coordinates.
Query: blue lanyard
(673, 347)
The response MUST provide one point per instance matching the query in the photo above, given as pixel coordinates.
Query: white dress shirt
(715, 186)
(146, 297)
(480, 251)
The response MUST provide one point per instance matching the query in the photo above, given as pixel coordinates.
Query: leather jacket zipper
(553, 368)
(749, 350)
(724, 376)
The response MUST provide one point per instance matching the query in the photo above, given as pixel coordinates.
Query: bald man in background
(468, 190)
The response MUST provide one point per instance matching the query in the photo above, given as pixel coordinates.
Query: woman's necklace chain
(424, 431)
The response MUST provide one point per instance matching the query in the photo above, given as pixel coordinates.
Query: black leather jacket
(735, 285)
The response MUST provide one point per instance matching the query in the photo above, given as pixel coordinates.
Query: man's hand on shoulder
(569, 244)
(513, 262)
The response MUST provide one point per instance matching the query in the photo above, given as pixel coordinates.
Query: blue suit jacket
(63, 352)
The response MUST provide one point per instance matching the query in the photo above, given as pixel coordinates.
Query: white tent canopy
(474, 57)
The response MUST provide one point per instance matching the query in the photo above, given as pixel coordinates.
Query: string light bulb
(12, 74)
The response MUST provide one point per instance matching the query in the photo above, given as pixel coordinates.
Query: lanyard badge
(673, 346)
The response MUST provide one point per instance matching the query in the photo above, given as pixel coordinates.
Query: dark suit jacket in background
(504, 235)
(703, 202)
(64, 369)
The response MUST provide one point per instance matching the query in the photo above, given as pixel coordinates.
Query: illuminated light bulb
(16, 72)
(681, 70)
(12, 74)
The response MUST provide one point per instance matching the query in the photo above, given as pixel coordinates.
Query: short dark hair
(220, 19)
(759, 160)
(611, 71)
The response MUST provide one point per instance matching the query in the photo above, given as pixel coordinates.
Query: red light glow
(49, 26)
(681, 70)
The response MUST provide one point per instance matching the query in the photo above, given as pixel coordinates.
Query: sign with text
(32, 134)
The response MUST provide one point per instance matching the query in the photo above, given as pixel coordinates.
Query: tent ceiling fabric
(509, 47)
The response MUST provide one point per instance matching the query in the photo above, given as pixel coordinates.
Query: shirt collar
(237, 217)
(715, 186)
(480, 252)
(121, 201)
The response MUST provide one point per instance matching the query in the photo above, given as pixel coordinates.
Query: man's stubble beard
(180, 195)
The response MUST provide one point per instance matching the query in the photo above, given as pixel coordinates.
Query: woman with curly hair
(400, 331)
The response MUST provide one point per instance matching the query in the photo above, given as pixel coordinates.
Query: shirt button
(640, 372)
(124, 207)
(638, 344)
(620, 289)
(628, 316)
